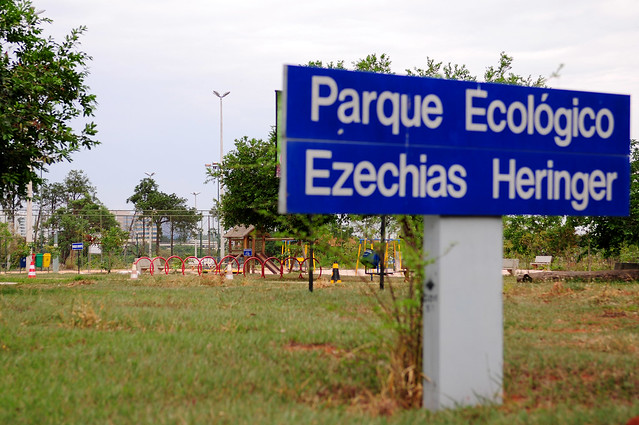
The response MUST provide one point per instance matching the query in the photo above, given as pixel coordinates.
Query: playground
(367, 263)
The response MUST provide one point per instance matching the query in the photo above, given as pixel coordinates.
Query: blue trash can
(370, 259)
(23, 263)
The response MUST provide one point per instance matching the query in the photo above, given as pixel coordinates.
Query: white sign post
(463, 329)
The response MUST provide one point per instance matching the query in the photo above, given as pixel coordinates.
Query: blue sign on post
(357, 142)
(77, 246)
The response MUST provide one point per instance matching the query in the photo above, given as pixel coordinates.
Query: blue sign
(248, 252)
(366, 143)
(77, 246)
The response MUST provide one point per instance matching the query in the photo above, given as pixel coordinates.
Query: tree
(372, 63)
(158, 206)
(112, 241)
(42, 93)
(251, 185)
(249, 175)
(77, 185)
(530, 235)
(610, 234)
(75, 211)
(83, 220)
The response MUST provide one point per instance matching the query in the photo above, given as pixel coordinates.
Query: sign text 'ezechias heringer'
(365, 143)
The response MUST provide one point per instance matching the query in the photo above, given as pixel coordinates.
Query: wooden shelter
(240, 238)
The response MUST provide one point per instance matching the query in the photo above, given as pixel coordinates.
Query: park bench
(542, 260)
(510, 264)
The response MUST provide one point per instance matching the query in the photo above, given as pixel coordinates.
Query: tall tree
(248, 174)
(77, 185)
(157, 206)
(42, 94)
(75, 211)
(82, 220)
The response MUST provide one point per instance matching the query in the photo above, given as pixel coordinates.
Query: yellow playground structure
(395, 260)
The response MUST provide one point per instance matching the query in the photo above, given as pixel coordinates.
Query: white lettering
(364, 173)
(437, 110)
(352, 106)
(392, 178)
(579, 188)
(472, 111)
(404, 170)
(381, 176)
(457, 186)
(567, 123)
(393, 118)
(415, 106)
(338, 188)
(312, 173)
(316, 100)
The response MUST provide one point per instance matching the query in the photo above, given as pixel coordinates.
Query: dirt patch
(613, 314)
(80, 283)
(324, 348)
(600, 275)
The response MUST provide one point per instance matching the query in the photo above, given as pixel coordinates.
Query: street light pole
(216, 166)
(221, 96)
(149, 175)
(195, 243)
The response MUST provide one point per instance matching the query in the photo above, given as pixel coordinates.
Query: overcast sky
(156, 63)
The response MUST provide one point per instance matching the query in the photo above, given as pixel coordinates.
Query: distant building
(19, 222)
(140, 229)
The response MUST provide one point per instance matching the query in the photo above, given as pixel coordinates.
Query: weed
(83, 315)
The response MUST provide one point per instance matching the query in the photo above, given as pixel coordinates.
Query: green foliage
(448, 72)
(83, 220)
(76, 213)
(12, 247)
(373, 63)
(494, 74)
(112, 241)
(42, 93)
(251, 185)
(610, 234)
(501, 74)
(75, 185)
(328, 65)
(530, 235)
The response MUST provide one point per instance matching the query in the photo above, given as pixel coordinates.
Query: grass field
(104, 349)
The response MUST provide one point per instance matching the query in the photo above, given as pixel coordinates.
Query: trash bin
(370, 259)
(38, 260)
(46, 260)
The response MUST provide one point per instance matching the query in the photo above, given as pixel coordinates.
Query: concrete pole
(463, 312)
(221, 96)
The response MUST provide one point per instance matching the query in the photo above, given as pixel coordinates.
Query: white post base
(463, 312)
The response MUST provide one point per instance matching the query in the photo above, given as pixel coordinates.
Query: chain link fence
(54, 233)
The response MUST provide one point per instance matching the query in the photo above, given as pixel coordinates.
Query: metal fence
(201, 239)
